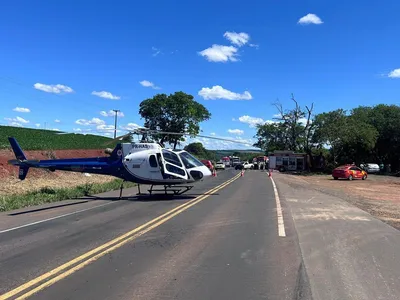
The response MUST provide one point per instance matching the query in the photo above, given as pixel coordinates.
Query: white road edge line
(281, 224)
(57, 217)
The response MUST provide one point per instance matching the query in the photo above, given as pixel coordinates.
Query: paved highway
(218, 245)
(225, 239)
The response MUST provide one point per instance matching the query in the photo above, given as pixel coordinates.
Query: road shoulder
(347, 253)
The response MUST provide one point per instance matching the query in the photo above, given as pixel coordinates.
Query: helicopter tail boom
(94, 165)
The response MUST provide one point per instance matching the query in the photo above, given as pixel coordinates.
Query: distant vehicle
(208, 164)
(370, 167)
(234, 160)
(220, 165)
(245, 165)
(260, 162)
(226, 160)
(349, 172)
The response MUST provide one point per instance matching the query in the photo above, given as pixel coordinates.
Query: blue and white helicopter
(143, 163)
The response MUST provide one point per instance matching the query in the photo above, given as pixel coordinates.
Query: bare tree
(298, 134)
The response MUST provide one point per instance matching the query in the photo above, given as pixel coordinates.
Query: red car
(349, 172)
(208, 164)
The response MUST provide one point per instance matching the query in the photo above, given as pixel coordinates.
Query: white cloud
(147, 83)
(15, 124)
(251, 121)
(219, 53)
(53, 88)
(218, 92)
(156, 51)
(111, 113)
(212, 133)
(84, 131)
(254, 46)
(130, 126)
(105, 128)
(310, 19)
(37, 125)
(236, 131)
(22, 109)
(238, 39)
(394, 74)
(54, 129)
(17, 120)
(57, 121)
(93, 121)
(106, 95)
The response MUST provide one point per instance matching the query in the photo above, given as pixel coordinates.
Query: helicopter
(142, 163)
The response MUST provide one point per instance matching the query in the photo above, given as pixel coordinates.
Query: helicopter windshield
(190, 161)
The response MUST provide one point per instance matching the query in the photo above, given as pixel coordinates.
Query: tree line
(365, 134)
(361, 135)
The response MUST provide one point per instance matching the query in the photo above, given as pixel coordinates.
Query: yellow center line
(108, 247)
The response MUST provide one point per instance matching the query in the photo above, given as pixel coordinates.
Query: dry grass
(14, 186)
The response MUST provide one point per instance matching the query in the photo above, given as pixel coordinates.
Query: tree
(329, 130)
(297, 125)
(196, 149)
(348, 137)
(386, 120)
(177, 112)
(272, 137)
(292, 130)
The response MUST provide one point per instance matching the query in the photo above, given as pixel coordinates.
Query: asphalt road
(219, 245)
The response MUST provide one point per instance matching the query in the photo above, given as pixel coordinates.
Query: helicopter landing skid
(176, 189)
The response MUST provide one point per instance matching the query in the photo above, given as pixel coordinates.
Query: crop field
(39, 139)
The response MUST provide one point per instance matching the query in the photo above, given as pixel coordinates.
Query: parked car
(370, 167)
(245, 165)
(208, 164)
(220, 165)
(349, 172)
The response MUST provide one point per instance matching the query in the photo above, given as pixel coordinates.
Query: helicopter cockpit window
(171, 158)
(176, 170)
(190, 161)
(153, 161)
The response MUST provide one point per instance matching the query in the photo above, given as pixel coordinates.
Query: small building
(289, 160)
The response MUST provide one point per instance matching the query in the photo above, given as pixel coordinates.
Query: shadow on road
(148, 197)
(134, 198)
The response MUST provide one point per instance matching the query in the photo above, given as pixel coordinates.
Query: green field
(39, 139)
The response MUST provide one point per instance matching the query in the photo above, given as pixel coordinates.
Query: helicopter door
(173, 165)
(155, 168)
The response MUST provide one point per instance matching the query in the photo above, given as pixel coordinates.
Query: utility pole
(115, 125)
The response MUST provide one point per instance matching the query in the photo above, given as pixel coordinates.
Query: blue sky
(74, 61)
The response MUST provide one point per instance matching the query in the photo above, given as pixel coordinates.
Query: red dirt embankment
(7, 170)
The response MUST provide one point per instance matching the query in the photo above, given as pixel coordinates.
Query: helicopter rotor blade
(145, 130)
(199, 135)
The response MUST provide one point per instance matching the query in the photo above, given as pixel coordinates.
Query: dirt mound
(7, 170)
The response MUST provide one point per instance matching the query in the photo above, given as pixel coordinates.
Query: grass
(39, 139)
(49, 195)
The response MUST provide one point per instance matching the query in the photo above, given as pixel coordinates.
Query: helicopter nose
(206, 171)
